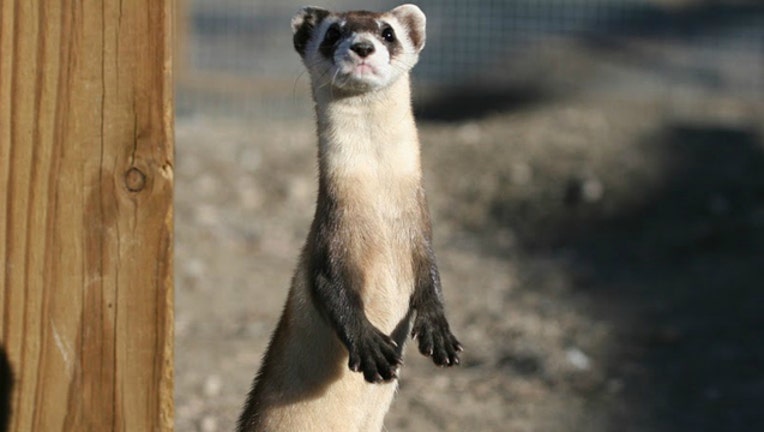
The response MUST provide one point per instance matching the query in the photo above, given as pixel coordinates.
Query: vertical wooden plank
(86, 151)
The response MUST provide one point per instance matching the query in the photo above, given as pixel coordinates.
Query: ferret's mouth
(364, 68)
(359, 74)
(361, 71)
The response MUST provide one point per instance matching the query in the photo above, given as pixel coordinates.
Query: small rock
(578, 359)
(589, 190)
(195, 268)
(208, 424)
(592, 190)
(212, 386)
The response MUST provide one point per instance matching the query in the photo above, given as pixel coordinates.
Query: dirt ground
(601, 253)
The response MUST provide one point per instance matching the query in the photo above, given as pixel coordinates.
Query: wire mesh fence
(236, 56)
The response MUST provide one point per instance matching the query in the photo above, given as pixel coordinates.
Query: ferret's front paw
(435, 339)
(376, 355)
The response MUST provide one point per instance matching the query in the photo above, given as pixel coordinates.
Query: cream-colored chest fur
(369, 154)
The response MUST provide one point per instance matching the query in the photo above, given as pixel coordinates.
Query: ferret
(367, 276)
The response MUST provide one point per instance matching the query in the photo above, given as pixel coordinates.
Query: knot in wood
(135, 180)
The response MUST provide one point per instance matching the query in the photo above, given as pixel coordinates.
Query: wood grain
(86, 180)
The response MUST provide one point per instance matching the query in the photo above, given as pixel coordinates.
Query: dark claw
(354, 363)
(376, 355)
(435, 339)
(388, 374)
(372, 377)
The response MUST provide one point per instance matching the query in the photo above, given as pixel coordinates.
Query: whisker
(406, 65)
(334, 79)
(294, 85)
(321, 83)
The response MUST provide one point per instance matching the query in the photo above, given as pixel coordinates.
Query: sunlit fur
(369, 156)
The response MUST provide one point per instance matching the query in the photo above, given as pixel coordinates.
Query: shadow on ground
(679, 274)
(471, 102)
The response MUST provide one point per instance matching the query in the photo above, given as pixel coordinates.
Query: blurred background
(595, 170)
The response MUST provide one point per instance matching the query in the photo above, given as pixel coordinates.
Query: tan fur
(369, 156)
(378, 171)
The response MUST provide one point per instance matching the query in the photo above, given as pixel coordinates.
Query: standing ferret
(367, 269)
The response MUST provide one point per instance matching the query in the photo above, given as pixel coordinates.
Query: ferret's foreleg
(370, 351)
(431, 328)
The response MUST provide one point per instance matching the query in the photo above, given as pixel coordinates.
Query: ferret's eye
(332, 34)
(388, 34)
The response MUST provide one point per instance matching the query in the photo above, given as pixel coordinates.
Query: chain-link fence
(236, 55)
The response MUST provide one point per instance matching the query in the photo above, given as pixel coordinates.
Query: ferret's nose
(363, 49)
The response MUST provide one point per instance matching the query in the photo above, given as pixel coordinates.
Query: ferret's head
(358, 51)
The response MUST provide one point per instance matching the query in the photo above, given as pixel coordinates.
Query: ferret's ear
(415, 22)
(303, 23)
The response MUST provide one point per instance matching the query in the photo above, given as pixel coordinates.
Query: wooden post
(86, 180)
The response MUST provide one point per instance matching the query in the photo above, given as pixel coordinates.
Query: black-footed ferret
(367, 268)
